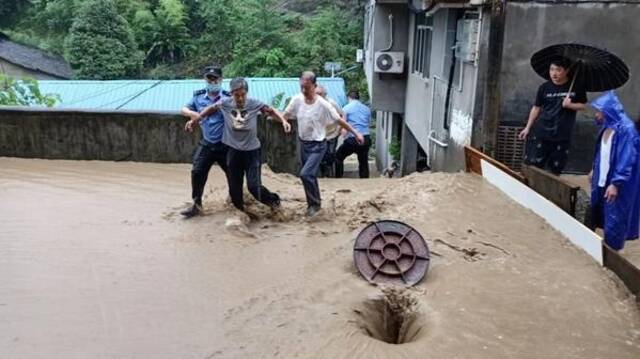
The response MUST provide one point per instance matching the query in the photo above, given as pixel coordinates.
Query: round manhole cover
(391, 252)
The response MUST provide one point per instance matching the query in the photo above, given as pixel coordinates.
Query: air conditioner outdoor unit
(389, 62)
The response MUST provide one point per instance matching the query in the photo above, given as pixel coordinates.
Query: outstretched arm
(209, 110)
(344, 124)
(194, 118)
(270, 111)
(576, 106)
(533, 116)
(187, 112)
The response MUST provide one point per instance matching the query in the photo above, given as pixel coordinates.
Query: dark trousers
(206, 155)
(327, 166)
(311, 154)
(241, 163)
(545, 154)
(350, 146)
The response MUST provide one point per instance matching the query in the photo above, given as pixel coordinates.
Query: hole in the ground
(394, 317)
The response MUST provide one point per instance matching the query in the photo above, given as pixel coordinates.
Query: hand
(566, 103)
(611, 193)
(190, 125)
(286, 126)
(523, 134)
(360, 139)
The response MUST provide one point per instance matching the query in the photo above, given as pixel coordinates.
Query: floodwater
(96, 263)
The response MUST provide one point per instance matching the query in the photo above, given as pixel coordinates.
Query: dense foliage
(107, 39)
(24, 92)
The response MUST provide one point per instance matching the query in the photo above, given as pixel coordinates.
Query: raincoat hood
(611, 107)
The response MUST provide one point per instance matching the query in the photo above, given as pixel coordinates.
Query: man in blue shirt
(210, 150)
(358, 115)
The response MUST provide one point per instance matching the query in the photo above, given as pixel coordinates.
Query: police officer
(210, 150)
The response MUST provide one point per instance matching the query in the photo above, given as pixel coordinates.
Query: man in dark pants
(314, 114)
(557, 103)
(358, 115)
(241, 136)
(327, 166)
(210, 150)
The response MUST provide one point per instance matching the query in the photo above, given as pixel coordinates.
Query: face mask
(213, 87)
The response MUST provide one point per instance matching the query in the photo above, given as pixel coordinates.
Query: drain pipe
(491, 102)
(390, 34)
(447, 101)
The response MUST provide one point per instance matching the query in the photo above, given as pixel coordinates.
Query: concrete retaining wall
(120, 136)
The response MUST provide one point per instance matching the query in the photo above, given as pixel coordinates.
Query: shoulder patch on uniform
(199, 92)
(226, 93)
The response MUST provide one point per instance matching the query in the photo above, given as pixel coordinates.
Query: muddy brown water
(96, 263)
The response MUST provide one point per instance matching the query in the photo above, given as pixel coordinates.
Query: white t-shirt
(333, 130)
(312, 119)
(605, 158)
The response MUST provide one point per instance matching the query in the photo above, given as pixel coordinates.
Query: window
(423, 30)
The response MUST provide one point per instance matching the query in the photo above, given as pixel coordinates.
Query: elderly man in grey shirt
(241, 135)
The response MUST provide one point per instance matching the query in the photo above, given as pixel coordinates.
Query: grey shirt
(241, 125)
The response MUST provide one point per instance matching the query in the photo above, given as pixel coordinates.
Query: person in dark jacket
(554, 116)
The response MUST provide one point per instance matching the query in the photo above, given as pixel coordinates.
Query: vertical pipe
(491, 108)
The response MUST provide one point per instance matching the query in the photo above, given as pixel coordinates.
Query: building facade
(445, 74)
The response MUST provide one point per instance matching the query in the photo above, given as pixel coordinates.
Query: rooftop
(168, 95)
(34, 59)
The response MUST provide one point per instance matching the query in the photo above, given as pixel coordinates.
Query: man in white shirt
(314, 114)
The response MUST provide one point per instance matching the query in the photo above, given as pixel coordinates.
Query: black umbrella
(594, 69)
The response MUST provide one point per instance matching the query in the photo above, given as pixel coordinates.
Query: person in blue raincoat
(634, 231)
(614, 178)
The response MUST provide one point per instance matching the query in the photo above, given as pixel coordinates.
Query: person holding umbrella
(555, 107)
(572, 70)
(615, 177)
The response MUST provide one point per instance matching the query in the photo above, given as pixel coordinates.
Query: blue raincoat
(617, 218)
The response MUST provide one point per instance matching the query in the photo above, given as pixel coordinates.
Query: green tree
(25, 92)
(172, 40)
(47, 23)
(264, 49)
(129, 8)
(10, 11)
(221, 29)
(332, 34)
(145, 28)
(100, 44)
(163, 36)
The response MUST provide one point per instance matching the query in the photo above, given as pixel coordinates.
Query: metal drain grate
(510, 148)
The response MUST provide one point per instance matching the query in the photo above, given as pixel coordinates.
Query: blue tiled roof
(167, 95)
